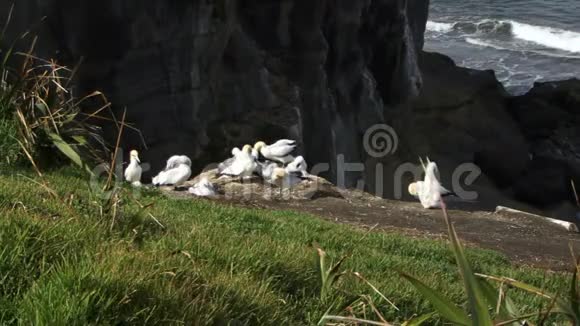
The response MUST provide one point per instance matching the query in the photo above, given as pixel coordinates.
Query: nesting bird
(277, 152)
(176, 172)
(429, 191)
(203, 188)
(286, 177)
(242, 164)
(265, 169)
(223, 165)
(134, 170)
(273, 163)
(175, 160)
(298, 165)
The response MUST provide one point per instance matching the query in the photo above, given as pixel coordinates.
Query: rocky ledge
(525, 238)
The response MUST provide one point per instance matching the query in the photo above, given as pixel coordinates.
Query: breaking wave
(548, 37)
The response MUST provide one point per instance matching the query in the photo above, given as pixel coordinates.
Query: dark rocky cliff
(199, 77)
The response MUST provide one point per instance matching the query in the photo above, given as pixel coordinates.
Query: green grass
(212, 264)
(9, 148)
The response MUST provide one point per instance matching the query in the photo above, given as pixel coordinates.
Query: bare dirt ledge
(526, 240)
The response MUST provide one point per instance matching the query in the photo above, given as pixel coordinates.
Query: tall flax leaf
(561, 306)
(477, 306)
(505, 308)
(442, 305)
(575, 298)
(67, 150)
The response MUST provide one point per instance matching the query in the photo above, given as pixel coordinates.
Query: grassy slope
(60, 261)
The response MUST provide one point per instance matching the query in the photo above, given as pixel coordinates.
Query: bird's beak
(422, 164)
(138, 160)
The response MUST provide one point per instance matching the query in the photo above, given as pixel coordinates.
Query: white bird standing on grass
(242, 165)
(277, 152)
(203, 188)
(430, 191)
(179, 171)
(134, 170)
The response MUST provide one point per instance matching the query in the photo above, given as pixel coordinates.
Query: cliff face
(199, 77)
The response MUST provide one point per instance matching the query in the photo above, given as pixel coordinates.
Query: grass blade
(357, 274)
(477, 305)
(505, 309)
(574, 297)
(517, 284)
(419, 320)
(355, 320)
(67, 150)
(442, 305)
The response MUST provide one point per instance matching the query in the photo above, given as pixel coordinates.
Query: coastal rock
(470, 121)
(549, 117)
(461, 122)
(255, 188)
(200, 77)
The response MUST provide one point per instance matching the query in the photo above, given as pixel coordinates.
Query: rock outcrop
(310, 188)
(199, 77)
(549, 116)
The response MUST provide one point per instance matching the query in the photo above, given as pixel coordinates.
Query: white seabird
(298, 164)
(285, 178)
(297, 167)
(277, 152)
(430, 191)
(179, 171)
(243, 163)
(223, 165)
(265, 169)
(203, 188)
(175, 160)
(289, 176)
(134, 170)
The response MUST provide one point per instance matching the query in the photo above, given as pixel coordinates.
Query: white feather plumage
(133, 171)
(430, 189)
(177, 171)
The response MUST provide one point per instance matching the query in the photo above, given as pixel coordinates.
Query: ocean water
(524, 41)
